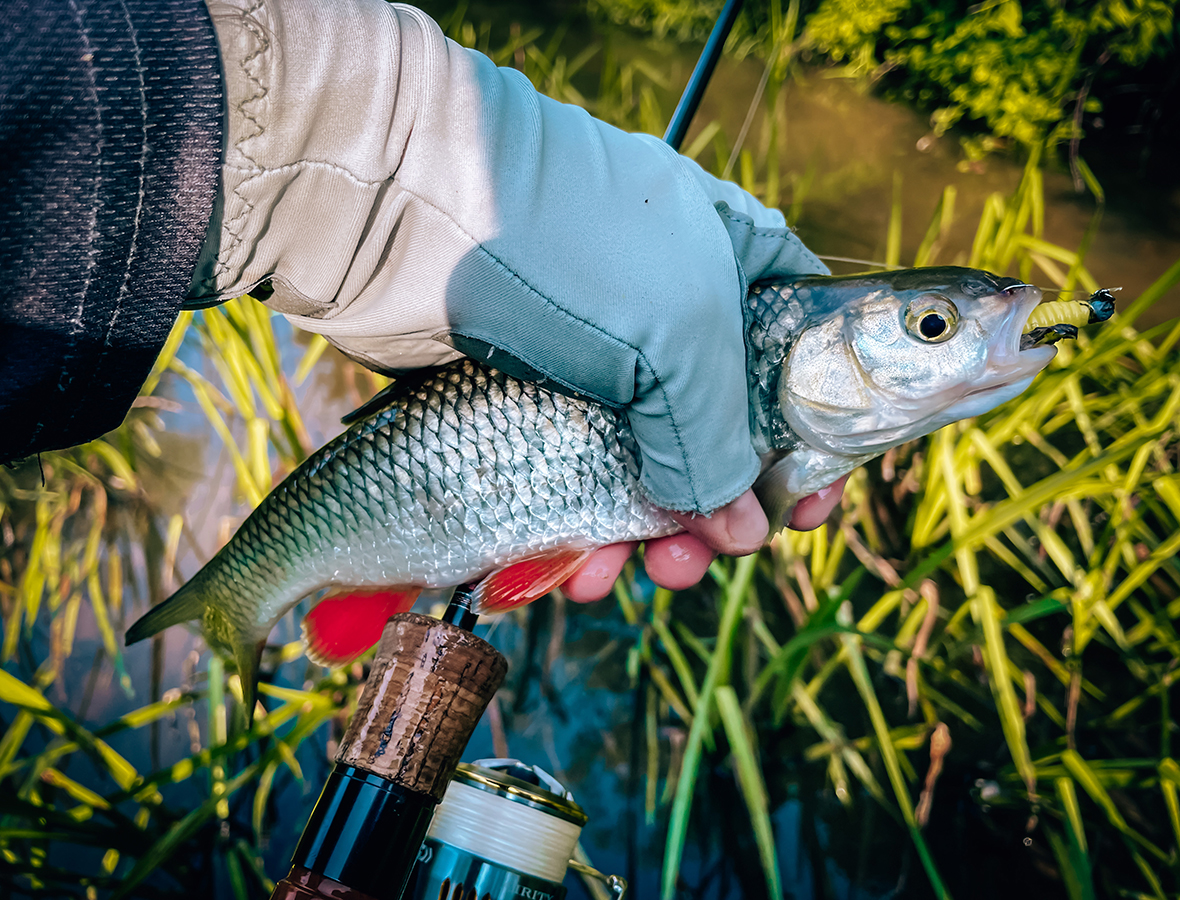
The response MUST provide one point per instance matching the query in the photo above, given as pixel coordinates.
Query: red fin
(526, 580)
(341, 627)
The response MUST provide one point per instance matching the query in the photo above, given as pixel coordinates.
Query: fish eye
(932, 319)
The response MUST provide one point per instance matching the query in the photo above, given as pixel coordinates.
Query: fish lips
(1010, 357)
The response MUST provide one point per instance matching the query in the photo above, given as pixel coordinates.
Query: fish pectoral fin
(801, 472)
(345, 624)
(775, 495)
(526, 580)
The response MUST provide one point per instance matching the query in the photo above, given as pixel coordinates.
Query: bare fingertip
(678, 561)
(747, 523)
(595, 579)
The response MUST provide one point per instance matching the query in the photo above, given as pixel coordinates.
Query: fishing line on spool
(505, 830)
(502, 831)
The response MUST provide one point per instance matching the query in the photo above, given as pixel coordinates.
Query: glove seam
(726, 211)
(256, 171)
(763, 231)
(232, 227)
(728, 498)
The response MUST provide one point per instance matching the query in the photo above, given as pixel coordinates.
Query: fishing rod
(702, 73)
(428, 686)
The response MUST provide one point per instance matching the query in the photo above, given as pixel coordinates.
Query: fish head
(887, 358)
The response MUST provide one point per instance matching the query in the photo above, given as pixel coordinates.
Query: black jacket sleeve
(110, 146)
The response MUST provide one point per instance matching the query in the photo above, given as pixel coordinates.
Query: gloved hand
(412, 202)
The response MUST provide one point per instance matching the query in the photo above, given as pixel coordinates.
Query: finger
(736, 529)
(596, 577)
(814, 509)
(677, 561)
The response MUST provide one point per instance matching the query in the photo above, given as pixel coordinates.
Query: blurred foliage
(1011, 71)
(980, 647)
(1019, 70)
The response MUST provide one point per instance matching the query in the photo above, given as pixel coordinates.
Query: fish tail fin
(192, 603)
(186, 605)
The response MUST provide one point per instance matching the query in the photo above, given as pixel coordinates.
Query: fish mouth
(1047, 334)
(1022, 347)
(1015, 355)
(1012, 362)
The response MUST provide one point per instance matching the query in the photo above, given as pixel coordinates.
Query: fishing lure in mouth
(1056, 319)
(467, 475)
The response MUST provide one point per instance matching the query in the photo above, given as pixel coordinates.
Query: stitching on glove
(788, 232)
(256, 171)
(724, 209)
(232, 227)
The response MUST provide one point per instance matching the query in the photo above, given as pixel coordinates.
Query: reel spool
(504, 831)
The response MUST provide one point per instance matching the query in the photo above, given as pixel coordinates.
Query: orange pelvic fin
(342, 626)
(526, 580)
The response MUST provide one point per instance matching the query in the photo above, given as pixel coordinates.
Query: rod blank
(699, 80)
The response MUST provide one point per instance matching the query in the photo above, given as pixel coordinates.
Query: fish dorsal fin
(344, 625)
(378, 401)
(526, 580)
(403, 385)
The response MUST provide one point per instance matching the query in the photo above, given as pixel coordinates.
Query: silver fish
(465, 474)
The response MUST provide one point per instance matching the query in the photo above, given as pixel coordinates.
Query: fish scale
(458, 473)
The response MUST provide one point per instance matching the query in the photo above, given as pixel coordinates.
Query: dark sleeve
(110, 146)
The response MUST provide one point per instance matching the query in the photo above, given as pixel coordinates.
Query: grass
(1000, 598)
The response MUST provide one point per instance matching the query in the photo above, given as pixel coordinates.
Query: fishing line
(1077, 291)
(503, 821)
(504, 832)
(775, 54)
(860, 262)
(741, 138)
(880, 265)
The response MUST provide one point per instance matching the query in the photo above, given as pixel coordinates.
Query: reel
(504, 831)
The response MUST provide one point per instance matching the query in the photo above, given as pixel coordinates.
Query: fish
(466, 475)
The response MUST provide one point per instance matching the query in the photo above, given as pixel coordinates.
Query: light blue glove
(412, 202)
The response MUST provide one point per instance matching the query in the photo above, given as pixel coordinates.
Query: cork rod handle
(428, 687)
(426, 691)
